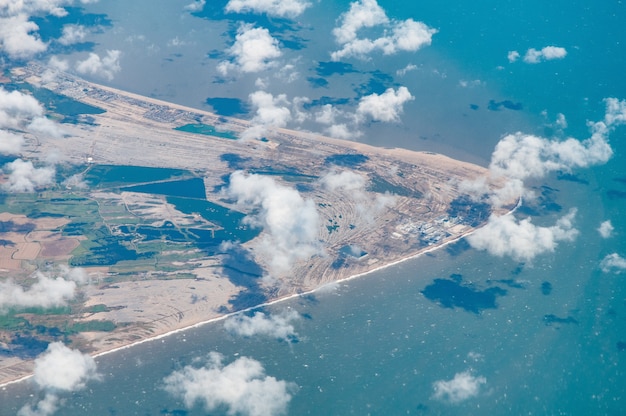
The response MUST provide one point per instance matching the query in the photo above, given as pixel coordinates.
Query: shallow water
(378, 344)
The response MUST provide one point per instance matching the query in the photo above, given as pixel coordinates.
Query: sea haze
(455, 331)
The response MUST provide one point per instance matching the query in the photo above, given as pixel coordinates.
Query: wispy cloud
(278, 325)
(462, 387)
(241, 387)
(613, 263)
(277, 8)
(352, 186)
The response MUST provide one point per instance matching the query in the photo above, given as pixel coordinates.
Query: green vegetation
(110, 176)
(90, 326)
(207, 130)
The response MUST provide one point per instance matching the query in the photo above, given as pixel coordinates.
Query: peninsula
(165, 246)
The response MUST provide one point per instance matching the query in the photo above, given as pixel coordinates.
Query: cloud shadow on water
(228, 107)
(453, 293)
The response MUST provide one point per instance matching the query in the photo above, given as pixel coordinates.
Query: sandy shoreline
(433, 177)
(269, 303)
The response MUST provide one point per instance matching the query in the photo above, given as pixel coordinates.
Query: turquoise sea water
(553, 339)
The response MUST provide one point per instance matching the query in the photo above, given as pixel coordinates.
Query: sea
(457, 331)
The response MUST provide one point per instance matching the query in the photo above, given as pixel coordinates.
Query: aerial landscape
(247, 207)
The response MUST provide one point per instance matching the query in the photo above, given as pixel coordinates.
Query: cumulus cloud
(73, 34)
(253, 51)
(520, 157)
(386, 107)
(105, 67)
(270, 112)
(613, 263)
(396, 36)
(17, 109)
(45, 126)
(278, 8)
(522, 240)
(63, 369)
(21, 112)
(290, 222)
(606, 229)
(534, 56)
(19, 38)
(10, 143)
(59, 369)
(23, 176)
(46, 292)
(277, 326)
(241, 387)
(462, 387)
(513, 56)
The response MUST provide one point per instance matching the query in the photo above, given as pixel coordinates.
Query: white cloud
(271, 111)
(19, 37)
(522, 240)
(45, 407)
(46, 292)
(17, 109)
(105, 67)
(606, 229)
(59, 369)
(402, 72)
(534, 56)
(277, 326)
(241, 387)
(352, 185)
(613, 263)
(195, 6)
(10, 143)
(253, 51)
(462, 387)
(290, 223)
(362, 14)
(31, 7)
(346, 180)
(561, 121)
(73, 34)
(63, 369)
(513, 56)
(45, 126)
(278, 8)
(396, 36)
(519, 157)
(385, 107)
(23, 176)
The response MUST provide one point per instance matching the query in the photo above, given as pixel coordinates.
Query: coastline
(125, 118)
(269, 303)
